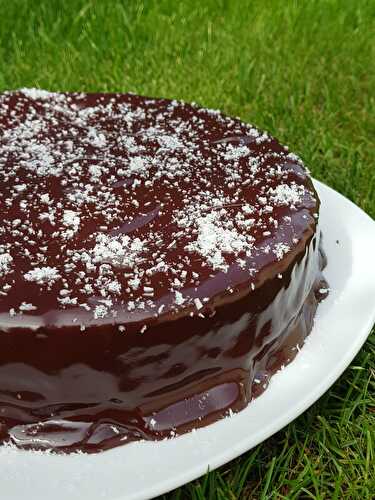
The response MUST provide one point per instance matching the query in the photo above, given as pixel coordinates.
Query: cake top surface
(117, 207)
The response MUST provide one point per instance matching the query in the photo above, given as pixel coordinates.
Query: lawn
(303, 70)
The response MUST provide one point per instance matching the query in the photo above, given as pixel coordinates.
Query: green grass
(303, 70)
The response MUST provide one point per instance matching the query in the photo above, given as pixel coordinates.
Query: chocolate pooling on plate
(158, 263)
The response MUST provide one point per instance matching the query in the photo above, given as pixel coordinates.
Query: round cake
(158, 263)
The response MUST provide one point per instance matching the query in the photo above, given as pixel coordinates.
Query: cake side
(159, 262)
(103, 390)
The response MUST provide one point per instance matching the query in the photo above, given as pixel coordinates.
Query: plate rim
(309, 400)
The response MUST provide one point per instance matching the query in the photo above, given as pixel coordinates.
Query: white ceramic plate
(144, 470)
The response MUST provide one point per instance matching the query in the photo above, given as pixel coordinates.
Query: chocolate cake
(158, 263)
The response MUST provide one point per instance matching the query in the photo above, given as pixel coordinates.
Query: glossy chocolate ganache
(158, 263)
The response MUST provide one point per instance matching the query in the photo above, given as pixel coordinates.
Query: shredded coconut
(5, 263)
(43, 275)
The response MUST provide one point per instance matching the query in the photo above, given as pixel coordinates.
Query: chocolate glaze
(70, 379)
